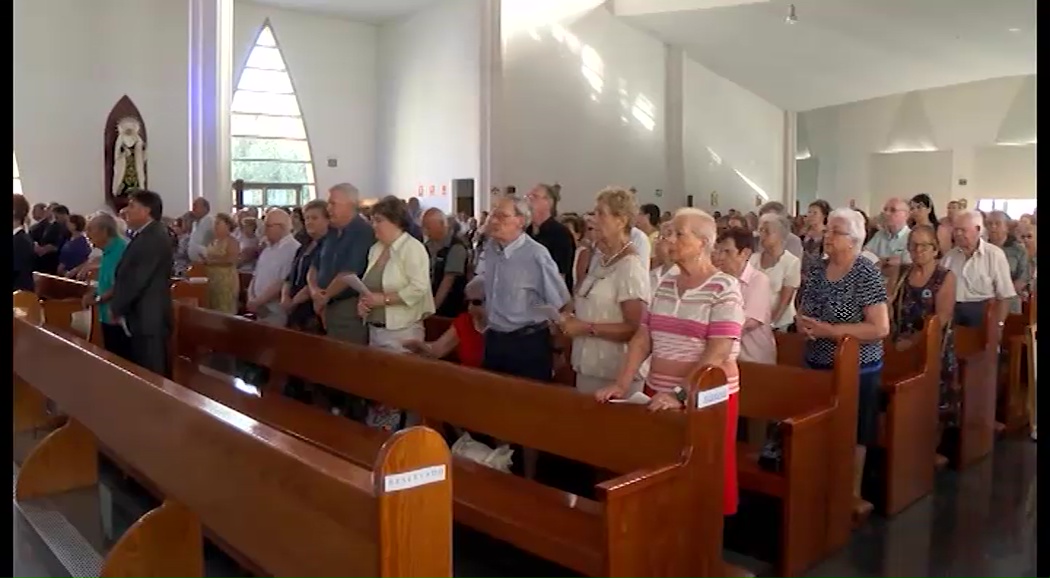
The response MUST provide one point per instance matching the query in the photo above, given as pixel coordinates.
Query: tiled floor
(980, 522)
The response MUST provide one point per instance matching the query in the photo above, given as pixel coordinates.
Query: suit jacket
(23, 259)
(142, 284)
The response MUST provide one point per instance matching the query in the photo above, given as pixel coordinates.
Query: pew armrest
(811, 419)
(638, 481)
(900, 384)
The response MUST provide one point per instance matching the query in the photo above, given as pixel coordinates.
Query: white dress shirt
(273, 266)
(984, 275)
(200, 237)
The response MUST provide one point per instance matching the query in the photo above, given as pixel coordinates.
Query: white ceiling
(371, 11)
(843, 51)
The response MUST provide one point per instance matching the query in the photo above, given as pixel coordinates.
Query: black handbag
(771, 457)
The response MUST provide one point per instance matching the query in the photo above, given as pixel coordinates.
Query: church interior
(336, 287)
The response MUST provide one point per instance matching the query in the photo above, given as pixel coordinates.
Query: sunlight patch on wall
(754, 186)
(644, 112)
(18, 180)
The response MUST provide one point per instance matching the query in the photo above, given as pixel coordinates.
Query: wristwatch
(681, 395)
(591, 330)
(386, 300)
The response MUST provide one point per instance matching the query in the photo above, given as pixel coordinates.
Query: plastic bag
(475, 451)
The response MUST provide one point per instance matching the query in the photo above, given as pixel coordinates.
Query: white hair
(781, 221)
(521, 208)
(347, 189)
(280, 217)
(972, 216)
(856, 227)
(701, 224)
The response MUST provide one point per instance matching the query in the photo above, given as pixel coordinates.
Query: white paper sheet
(636, 398)
(80, 323)
(551, 313)
(355, 283)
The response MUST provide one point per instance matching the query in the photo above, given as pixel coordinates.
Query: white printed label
(414, 478)
(710, 397)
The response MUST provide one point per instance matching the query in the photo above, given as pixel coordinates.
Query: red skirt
(730, 492)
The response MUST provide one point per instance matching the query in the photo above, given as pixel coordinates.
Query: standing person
(344, 251)
(520, 280)
(890, 243)
(23, 256)
(997, 227)
(141, 297)
(783, 269)
(54, 237)
(220, 260)
(448, 264)
(982, 272)
(793, 243)
(648, 222)
(295, 295)
(202, 230)
(816, 224)
(547, 231)
(272, 268)
(77, 249)
(104, 233)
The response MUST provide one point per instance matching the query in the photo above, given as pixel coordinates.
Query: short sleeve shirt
(841, 301)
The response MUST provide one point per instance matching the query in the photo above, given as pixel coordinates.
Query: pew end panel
(977, 352)
(911, 432)
(29, 407)
(311, 513)
(413, 473)
(678, 507)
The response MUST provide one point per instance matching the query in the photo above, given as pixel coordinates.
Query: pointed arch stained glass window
(269, 143)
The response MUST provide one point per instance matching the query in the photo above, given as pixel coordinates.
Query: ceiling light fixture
(791, 17)
(1014, 30)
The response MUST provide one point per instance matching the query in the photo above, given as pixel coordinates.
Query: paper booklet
(636, 398)
(355, 283)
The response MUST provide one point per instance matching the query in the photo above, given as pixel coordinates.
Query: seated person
(464, 336)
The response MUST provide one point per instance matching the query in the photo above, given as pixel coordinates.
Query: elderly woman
(77, 249)
(399, 297)
(1026, 232)
(997, 225)
(783, 269)
(695, 318)
(465, 335)
(925, 288)
(220, 259)
(103, 233)
(610, 299)
(732, 255)
(844, 295)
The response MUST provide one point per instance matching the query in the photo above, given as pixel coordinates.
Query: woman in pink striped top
(695, 318)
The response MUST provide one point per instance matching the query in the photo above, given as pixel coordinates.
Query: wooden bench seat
(1014, 381)
(977, 352)
(815, 414)
(645, 522)
(290, 507)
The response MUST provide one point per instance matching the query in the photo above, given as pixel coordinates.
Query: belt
(522, 331)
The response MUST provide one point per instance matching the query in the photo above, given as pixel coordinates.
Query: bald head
(278, 225)
(435, 224)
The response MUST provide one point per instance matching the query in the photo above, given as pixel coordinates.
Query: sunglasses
(476, 302)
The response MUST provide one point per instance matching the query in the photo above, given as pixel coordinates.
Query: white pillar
(211, 91)
(491, 81)
(790, 185)
(674, 128)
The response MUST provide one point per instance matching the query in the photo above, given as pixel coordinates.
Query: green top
(107, 271)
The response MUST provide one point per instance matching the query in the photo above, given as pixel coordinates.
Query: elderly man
(793, 244)
(523, 288)
(203, 230)
(997, 226)
(981, 270)
(273, 266)
(549, 232)
(104, 233)
(448, 264)
(890, 243)
(344, 251)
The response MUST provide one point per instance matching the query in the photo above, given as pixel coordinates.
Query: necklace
(610, 260)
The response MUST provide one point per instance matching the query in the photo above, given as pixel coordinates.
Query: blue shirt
(74, 252)
(107, 271)
(344, 250)
(519, 279)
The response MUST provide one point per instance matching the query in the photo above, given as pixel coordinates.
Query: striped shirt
(680, 324)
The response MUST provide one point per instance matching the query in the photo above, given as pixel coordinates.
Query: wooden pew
(288, 506)
(976, 349)
(909, 428)
(661, 517)
(1014, 380)
(816, 415)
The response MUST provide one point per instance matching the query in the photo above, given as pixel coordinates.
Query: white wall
(733, 142)
(555, 125)
(72, 61)
(333, 66)
(429, 126)
(962, 119)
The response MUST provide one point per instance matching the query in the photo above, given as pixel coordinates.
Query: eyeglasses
(918, 246)
(476, 302)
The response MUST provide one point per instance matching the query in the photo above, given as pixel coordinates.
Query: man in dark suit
(141, 298)
(24, 256)
(53, 237)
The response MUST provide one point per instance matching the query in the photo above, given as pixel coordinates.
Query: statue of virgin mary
(129, 158)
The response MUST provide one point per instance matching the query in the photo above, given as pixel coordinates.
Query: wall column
(211, 91)
(491, 80)
(790, 187)
(674, 124)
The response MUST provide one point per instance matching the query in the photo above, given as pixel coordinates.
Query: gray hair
(521, 208)
(998, 215)
(773, 207)
(106, 223)
(281, 217)
(348, 190)
(856, 227)
(972, 216)
(701, 224)
(782, 226)
(204, 203)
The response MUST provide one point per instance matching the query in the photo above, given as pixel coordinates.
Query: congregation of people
(629, 298)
